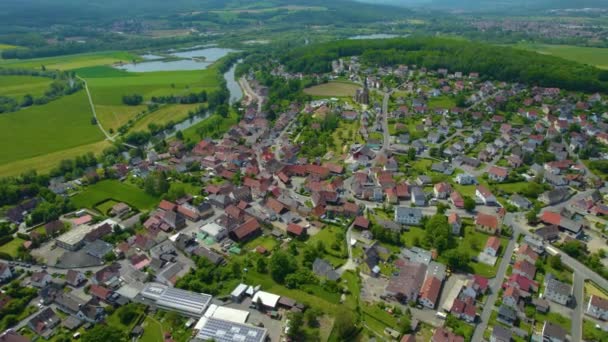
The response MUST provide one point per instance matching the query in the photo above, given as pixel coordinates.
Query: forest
(490, 61)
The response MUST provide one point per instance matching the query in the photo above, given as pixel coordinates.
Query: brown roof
(295, 229)
(525, 267)
(246, 229)
(486, 220)
(444, 335)
(275, 205)
(430, 289)
(167, 206)
(498, 171)
(99, 291)
(361, 222)
(599, 302)
(493, 242)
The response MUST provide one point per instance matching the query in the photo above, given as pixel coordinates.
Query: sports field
(337, 89)
(18, 86)
(38, 130)
(105, 190)
(586, 55)
(71, 61)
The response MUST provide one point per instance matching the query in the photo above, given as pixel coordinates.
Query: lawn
(444, 102)
(153, 331)
(591, 333)
(586, 55)
(213, 126)
(333, 89)
(11, 247)
(45, 163)
(164, 115)
(267, 242)
(346, 134)
(329, 236)
(114, 190)
(591, 289)
(59, 125)
(18, 86)
(474, 242)
(377, 319)
(412, 236)
(71, 61)
(554, 318)
(108, 87)
(106, 206)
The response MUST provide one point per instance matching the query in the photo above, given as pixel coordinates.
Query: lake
(375, 36)
(189, 60)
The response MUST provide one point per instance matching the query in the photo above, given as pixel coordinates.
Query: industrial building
(188, 303)
(225, 331)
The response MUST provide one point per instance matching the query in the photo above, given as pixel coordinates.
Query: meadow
(71, 62)
(95, 194)
(587, 55)
(19, 86)
(174, 112)
(335, 88)
(62, 124)
(108, 85)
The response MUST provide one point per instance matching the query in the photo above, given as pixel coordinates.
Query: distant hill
(489, 5)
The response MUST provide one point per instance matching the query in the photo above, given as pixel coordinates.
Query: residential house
(465, 179)
(455, 222)
(418, 197)
(511, 296)
(44, 322)
(408, 216)
(525, 252)
(554, 196)
(500, 334)
(75, 278)
(457, 200)
(506, 314)
(324, 269)
(597, 307)
(442, 190)
(498, 174)
(492, 246)
(429, 294)
(5, 272)
(484, 195)
(520, 202)
(553, 333)
(246, 231)
(464, 309)
(405, 287)
(487, 223)
(524, 268)
(443, 335)
(557, 291)
(40, 279)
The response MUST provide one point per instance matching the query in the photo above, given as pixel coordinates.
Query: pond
(188, 60)
(375, 36)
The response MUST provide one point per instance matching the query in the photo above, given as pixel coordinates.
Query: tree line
(490, 61)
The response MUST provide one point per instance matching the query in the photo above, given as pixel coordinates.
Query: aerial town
(439, 205)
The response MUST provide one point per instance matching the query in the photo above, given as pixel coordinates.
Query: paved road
(350, 263)
(250, 93)
(494, 288)
(577, 314)
(51, 269)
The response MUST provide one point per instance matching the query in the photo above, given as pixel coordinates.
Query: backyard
(93, 195)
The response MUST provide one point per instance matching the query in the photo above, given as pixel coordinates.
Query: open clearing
(108, 86)
(175, 113)
(46, 162)
(12, 246)
(587, 55)
(105, 190)
(61, 124)
(337, 89)
(71, 61)
(18, 86)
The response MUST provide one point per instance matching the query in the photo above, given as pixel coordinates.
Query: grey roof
(554, 331)
(323, 268)
(98, 248)
(225, 331)
(507, 312)
(407, 211)
(181, 300)
(557, 286)
(501, 334)
(416, 254)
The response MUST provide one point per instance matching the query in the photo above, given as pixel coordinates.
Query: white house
(557, 291)
(406, 215)
(40, 279)
(492, 246)
(5, 272)
(597, 307)
(484, 195)
(465, 179)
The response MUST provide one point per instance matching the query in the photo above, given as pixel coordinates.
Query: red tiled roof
(167, 206)
(486, 220)
(246, 229)
(498, 171)
(295, 229)
(550, 217)
(453, 218)
(430, 289)
(99, 291)
(361, 222)
(493, 242)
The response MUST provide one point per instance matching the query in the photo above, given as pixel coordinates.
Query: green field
(153, 331)
(12, 246)
(18, 86)
(444, 102)
(62, 124)
(336, 88)
(105, 190)
(587, 55)
(174, 112)
(108, 86)
(70, 62)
